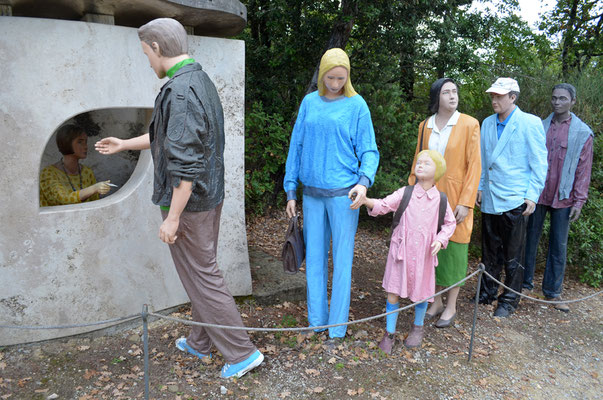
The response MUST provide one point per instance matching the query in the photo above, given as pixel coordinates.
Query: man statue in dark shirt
(186, 138)
(569, 143)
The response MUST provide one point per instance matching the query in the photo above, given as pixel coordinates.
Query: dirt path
(539, 353)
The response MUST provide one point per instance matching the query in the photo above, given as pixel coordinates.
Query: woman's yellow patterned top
(55, 189)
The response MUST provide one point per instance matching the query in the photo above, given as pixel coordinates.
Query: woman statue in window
(67, 181)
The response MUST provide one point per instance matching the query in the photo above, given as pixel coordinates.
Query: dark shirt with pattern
(556, 144)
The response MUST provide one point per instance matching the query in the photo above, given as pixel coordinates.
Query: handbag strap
(421, 139)
(421, 142)
(442, 210)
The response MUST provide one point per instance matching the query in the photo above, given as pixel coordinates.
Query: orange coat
(463, 170)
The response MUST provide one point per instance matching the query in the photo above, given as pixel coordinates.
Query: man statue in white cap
(514, 167)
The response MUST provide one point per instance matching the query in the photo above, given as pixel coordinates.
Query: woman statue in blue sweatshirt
(334, 155)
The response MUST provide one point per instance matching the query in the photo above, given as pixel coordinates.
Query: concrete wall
(99, 260)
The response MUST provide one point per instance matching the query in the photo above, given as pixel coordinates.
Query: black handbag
(294, 250)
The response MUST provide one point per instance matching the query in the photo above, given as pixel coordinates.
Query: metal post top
(220, 18)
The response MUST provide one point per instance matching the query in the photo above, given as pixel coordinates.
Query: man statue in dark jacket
(186, 138)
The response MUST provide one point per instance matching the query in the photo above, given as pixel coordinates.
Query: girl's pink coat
(410, 268)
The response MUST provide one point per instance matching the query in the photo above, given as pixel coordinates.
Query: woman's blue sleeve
(294, 155)
(366, 147)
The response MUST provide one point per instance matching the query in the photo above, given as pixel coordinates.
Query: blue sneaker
(239, 369)
(182, 345)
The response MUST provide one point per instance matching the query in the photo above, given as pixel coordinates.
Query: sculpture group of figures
(516, 168)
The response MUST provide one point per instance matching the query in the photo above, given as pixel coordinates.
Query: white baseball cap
(504, 86)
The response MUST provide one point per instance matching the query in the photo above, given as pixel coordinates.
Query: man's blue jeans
(557, 252)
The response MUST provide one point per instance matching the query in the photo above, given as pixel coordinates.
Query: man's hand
(530, 207)
(167, 231)
(478, 199)
(109, 145)
(435, 246)
(460, 213)
(291, 208)
(574, 214)
(358, 196)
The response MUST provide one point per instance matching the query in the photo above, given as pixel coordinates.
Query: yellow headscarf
(438, 160)
(331, 59)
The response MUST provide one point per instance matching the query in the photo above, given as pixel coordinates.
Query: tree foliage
(579, 23)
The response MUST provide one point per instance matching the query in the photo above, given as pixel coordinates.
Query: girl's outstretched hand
(435, 246)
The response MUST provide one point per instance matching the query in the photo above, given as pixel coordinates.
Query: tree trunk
(407, 70)
(443, 56)
(339, 35)
(568, 40)
(596, 38)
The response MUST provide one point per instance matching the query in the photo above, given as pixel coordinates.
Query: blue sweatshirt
(332, 147)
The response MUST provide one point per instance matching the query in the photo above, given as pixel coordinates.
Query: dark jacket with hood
(187, 139)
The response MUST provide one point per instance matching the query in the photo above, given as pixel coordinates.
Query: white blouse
(439, 138)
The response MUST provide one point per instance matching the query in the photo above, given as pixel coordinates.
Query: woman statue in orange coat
(457, 137)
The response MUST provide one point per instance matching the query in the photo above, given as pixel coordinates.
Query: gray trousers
(194, 254)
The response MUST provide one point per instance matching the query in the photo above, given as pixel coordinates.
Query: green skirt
(452, 264)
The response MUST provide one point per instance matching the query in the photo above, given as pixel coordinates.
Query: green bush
(396, 134)
(584, 244)
(266, 145)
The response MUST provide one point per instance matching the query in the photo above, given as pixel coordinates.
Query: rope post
(145, 346)
(481, 269)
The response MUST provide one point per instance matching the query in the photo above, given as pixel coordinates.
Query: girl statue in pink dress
(416, 240)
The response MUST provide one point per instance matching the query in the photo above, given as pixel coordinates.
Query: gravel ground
(538, 353)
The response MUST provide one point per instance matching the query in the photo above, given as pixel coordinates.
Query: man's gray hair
(169, 35)
(566, 86)
(511, 93)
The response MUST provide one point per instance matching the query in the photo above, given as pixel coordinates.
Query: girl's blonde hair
(438, 160)
(334, 58)
(169, 34)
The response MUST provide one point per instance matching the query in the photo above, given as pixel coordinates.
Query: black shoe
(503, 311)
(482, 299)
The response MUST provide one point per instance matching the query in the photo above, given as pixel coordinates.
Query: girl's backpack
(406, 199)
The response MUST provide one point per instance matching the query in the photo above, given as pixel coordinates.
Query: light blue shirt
(514, 167)
(332, 146)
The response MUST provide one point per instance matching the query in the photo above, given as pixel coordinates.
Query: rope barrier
(321, 327)
(306, 328)
(38, 327)
(540, 300)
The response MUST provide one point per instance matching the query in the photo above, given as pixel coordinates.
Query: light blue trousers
(326, 218)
